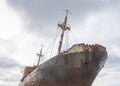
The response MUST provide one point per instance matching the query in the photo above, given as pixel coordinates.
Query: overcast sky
(26, 24)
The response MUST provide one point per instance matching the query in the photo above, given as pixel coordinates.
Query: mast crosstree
(40, 55)
(64, 27)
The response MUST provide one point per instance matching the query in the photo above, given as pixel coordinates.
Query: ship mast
(63, 27)
(40, 55)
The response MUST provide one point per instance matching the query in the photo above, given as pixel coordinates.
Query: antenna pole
(64, 27)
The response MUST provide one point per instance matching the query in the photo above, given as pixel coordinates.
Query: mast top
(65, 20)
(64, 27)
(67, 11)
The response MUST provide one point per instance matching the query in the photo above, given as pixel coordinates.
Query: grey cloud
(9, 45)
(10, 70)
(116, 41)
(113, 61)
(40, 15)
(9, 75)
(6, 63)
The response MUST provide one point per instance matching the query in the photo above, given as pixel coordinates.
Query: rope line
(54, 43)
(51, 46)
(50, 43)
(74, 37)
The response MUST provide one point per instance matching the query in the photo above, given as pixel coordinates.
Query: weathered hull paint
(73, 69)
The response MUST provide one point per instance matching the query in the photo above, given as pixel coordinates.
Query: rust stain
(77, 66)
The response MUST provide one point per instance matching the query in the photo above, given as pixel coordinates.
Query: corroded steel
(77, 66)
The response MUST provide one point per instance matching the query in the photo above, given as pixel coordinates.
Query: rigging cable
(49, 47)
(49, 44)
(74, 37)
(66, 40)
(54, 43)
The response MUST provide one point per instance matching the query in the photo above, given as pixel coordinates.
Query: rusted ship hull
(72, 68)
